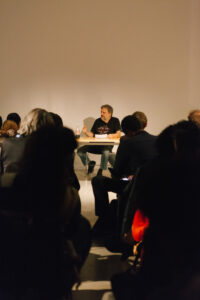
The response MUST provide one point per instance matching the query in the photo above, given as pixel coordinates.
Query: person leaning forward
(107, 124)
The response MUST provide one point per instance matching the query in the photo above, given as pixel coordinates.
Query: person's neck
(107, 120)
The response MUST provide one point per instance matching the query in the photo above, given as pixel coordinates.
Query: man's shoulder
(114, 119)
(142, 140)
(98, 121)
(143, 135)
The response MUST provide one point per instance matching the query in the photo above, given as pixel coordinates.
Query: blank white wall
(72, 56)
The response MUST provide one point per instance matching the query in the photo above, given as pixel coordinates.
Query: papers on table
(101, 136)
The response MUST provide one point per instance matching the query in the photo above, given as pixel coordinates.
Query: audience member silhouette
(15, 117)
(8, 129)
(194, 116)
(168, 195)
(132, 152)
(46, 263)
(57, 119)
(12, 148)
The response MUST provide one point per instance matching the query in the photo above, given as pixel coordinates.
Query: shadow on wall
(88, 122)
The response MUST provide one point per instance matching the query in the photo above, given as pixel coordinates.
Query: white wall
(72, 56)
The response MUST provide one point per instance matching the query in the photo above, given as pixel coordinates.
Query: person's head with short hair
(194, 116)
(108, 107)
(141, 118)
(106, 112)
(130, 125)
(34, 120)
(57, 119)
(14, 117)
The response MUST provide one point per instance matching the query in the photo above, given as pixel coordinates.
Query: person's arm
(117, 130)
(115, 135)
(122, 158)
(87, 133)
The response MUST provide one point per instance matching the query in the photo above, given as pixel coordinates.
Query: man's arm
(115, 135)
(122, 159)
(87, 133)
(117, 129)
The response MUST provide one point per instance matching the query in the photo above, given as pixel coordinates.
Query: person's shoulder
(144, 134)
(12, 141)
(114, 119)
(98, 120)
(151, 136)
(125, 139)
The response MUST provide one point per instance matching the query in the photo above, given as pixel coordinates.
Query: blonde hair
(34, 120)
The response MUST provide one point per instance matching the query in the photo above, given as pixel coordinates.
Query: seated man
(104, 125)
(132, 152)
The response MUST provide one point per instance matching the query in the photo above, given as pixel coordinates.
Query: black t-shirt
(100, 127)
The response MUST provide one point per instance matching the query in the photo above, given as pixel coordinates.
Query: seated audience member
(15, 118)
(12, 148)
(170, 263)
(46, 263)
(128, 127)
(165, 149)
(132, 153)
(57, 119)
(194, 116)
(8, 129)
(108, 125)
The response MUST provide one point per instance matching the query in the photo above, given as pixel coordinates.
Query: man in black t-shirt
(104, 125)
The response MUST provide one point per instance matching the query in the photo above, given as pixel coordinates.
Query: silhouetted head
(46, 166)
(194, 116)
(181, 140)
(35, 119)
(130, 125)
(9, 128)
(57, 119)
(141, 118)
(14, 117)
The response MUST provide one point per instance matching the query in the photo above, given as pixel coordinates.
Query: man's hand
(87, 133)
(114, 135)
(84, 129)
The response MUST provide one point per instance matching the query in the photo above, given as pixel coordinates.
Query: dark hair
(182, 139)
(165, 141)
(187, 136)
(14, 117)
(57, 119)
(141, 118)
(108, 107)
(0, 122)
(46, 166)
(130, 123)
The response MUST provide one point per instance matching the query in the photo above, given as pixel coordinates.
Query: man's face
(105, 115)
